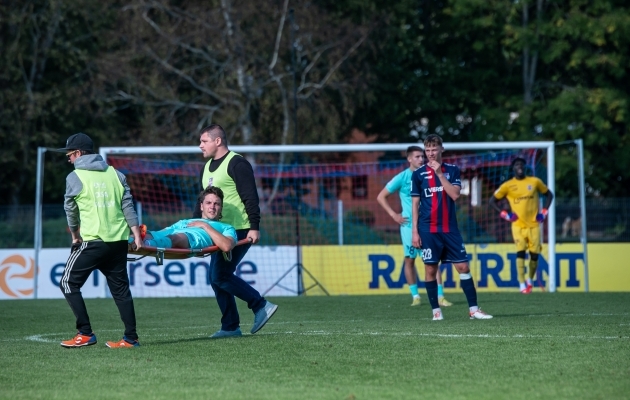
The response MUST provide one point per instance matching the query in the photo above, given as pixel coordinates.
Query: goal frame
(548, 146)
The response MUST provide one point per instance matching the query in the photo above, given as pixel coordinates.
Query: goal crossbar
(549, 146)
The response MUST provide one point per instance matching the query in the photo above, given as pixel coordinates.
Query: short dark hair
(215, 190)
(215, 131)
(411, 149)
(433, 139)
(517, 159)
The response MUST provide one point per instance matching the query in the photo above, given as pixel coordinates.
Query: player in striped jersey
(401, 183)
(434, 188)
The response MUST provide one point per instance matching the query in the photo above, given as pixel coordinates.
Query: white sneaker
(437, 316)
(479, 314)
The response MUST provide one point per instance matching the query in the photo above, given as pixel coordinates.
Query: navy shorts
(444, 247)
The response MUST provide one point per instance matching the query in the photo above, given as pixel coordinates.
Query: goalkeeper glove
(540, 217)
(509, 216)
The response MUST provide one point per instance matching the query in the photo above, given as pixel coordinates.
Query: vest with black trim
(234, 212)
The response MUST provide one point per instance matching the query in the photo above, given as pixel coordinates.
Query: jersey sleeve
(231, 233)
(416, 184)
(501, 192)
(542, 188)
(455, 178)
(395, 184)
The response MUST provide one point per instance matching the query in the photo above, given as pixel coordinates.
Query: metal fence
(608, 220)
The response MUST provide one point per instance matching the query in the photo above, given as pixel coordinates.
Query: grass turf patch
(562, 345)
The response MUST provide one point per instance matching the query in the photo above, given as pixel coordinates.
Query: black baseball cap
(78, 141)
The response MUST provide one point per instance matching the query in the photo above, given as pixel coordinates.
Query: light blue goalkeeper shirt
(401, 183)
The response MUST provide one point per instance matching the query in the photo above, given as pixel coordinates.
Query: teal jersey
(401, 183)
(197, 237)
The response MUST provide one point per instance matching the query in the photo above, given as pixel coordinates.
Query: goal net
(322, 231)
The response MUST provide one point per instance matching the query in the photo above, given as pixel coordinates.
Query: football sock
(522, 286)
(414, 290)
(431, 287)
(440, 290)
(520, 269)
(533, 266)
(468, 286)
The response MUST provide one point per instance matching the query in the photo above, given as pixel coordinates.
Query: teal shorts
(405, 236)
(197, 237)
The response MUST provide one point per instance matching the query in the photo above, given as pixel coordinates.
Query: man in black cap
(98, 201)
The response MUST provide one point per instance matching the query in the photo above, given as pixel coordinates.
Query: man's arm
(549, 199)
(415, 236)
(494, 203)
(126, 203)
(225, 243)
(242, 173)
(382, 200)
(74, 186)
(451, 190)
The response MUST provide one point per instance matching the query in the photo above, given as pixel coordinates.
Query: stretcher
(161, 253)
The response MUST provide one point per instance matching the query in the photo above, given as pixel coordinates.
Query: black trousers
(111, 259)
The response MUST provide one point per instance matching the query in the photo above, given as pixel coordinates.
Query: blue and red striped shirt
(437, 209)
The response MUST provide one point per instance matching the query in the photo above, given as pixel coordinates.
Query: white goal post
(547, 146)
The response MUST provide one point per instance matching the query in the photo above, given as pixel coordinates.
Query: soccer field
(357, 347)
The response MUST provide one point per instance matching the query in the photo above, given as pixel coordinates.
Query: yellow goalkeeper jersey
(523, 197)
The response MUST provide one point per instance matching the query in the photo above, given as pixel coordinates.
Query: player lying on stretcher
(199, 232)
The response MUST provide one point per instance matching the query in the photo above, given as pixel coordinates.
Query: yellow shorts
(527, 239)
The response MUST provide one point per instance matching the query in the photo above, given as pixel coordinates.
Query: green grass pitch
(562, 345)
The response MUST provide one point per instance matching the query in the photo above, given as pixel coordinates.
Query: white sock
(474, 308)
(529, 281)
(522, 286)
(437, 310)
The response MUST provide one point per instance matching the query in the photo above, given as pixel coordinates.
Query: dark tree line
(138, 72)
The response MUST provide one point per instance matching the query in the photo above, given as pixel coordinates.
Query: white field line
(445, 335)
(44, 338)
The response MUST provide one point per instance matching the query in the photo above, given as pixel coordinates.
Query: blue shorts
(444, 247)
(405, 236)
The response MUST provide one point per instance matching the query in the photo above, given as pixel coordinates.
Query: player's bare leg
(411, 275)
(468, 286)
(533, 266)
(180, 241)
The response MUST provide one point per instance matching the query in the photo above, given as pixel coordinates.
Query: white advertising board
(261, 267)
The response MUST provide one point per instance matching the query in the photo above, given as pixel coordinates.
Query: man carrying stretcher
(196, 233)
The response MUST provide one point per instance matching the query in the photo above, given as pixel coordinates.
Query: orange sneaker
(80, 340)
(124, 342)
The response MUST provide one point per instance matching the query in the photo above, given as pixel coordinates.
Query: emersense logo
(16, 276)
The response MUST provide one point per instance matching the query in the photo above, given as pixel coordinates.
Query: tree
(45, 73)
(230, 62)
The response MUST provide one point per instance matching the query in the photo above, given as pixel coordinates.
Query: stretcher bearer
(234, 175)
(100, 211)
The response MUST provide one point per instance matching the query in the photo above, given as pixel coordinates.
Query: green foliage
(469, 70)
(319, 347)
